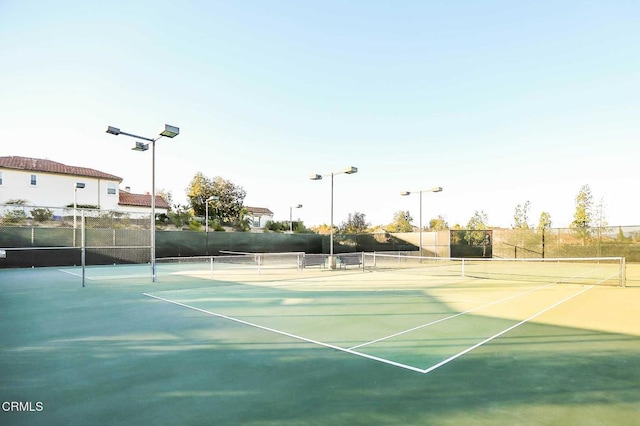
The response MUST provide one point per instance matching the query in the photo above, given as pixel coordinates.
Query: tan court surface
(316, 347)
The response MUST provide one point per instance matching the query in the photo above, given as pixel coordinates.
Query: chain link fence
(622, 241)
(45, 236)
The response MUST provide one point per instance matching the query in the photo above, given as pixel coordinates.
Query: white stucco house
(46, 183)
(259, 216)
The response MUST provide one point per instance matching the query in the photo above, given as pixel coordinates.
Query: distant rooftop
(259, 211)
(140, 200)
(48, 166)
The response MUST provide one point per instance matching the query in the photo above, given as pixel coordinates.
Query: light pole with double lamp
(168, 132)
(349, 171)
(435, 189)
(299, 206)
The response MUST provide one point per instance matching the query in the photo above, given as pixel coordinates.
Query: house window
(34, 180)
(111, 189)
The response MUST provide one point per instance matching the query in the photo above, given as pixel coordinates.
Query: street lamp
(299, 206)
(206, 214)
(168, 132)
(435, 189)
(348, 171)
(78, 185)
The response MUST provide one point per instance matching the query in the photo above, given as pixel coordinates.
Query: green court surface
(316, 347)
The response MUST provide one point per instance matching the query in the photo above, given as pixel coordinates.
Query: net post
(623, 271)
(362, 260)
(462, 271)
(259, 261)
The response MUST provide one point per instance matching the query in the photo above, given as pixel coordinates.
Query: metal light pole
(435, 189)
(299, 206)
(168, 132)
(78, 185)
(206, 210)
(348, 171)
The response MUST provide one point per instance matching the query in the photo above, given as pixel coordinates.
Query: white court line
(450, 317)
(104, 277)
(465, 312)
(294, 336)
(75, 274)
(382, 360)
(487, 340)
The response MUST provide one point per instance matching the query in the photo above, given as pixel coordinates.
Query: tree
(401, 222)
(479, 220)
(544, 222)
(166, 196)
(180, 216)
(355, 224)
(599, 215)
(583, 214)
(476, 227)
(584, 208)
(324, 229)
(438, 224)
(521, 216)
(244, 219)
(621, 238)
(17, 202)
(227, 208)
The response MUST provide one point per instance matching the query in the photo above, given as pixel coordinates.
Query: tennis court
(384, 340)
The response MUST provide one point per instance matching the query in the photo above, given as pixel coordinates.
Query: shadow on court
(107, 354)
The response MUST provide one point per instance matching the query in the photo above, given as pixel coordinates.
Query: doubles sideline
(353, 350)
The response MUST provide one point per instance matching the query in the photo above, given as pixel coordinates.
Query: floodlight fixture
(80, 185)
(140, 147)
(170, 131)
(113, 130)
(405, 193)
(351, 170)
(316, 177)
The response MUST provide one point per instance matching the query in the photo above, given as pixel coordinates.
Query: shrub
(15, 216)
(41, 215)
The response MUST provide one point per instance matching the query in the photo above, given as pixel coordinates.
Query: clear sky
(498, 102)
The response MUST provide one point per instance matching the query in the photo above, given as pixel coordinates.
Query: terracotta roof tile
(48, 166)
(140, 200)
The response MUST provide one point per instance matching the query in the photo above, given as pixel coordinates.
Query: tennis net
(230, 261)
(609, 271)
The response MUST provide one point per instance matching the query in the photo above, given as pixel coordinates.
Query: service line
(294, 336)
(451, 316)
